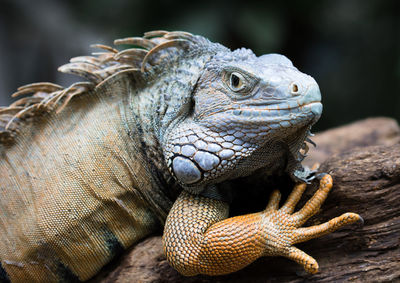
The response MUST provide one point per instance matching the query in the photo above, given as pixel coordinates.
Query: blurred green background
(351, 47)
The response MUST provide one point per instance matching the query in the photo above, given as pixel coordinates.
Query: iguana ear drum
(185, 170)
(191, 163)
(190, 170)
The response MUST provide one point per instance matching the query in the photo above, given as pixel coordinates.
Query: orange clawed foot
(282, 225)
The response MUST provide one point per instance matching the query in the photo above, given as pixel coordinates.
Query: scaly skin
(199, 238)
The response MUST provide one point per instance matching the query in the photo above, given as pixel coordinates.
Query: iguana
(152, 138)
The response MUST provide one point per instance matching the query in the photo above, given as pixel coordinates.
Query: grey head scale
(248, 113)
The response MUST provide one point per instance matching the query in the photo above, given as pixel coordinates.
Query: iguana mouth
(278, 106)
(279, 110)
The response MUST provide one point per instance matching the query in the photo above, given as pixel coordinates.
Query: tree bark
(365, 167)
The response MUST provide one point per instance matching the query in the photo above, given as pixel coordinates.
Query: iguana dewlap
(175, 114)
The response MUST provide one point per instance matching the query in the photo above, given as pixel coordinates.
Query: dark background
(351, 47)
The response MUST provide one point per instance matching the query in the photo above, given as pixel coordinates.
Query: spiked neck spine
(157, 58)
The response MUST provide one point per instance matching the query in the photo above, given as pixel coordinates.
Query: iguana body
(82, 184)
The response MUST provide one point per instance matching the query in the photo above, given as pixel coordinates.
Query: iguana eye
(236, 81)
(239, 82)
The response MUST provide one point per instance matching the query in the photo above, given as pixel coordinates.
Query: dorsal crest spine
(148, 53)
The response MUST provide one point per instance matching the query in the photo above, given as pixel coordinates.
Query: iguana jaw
(269, 117)
(199, 157)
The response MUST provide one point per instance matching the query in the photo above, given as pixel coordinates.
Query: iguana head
(248, 112)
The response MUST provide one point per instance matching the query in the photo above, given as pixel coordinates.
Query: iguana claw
(287, 224)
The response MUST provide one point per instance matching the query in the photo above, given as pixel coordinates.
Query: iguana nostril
(294, 88)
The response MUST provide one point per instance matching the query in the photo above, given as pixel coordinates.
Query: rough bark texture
(365, 166)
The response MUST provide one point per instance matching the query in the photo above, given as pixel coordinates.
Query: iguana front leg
(199, 238)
